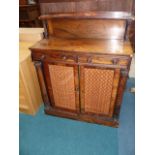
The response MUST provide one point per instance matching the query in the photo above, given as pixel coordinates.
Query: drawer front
(54, 57)
(107, 60)
(84, 59)
(63, 57)
(110, 61)
(101, 60)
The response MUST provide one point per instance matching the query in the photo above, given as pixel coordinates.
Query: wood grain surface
(100, 46)
(85, 28)
(49, 6)
(89, 15)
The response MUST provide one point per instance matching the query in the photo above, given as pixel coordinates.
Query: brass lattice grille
(62, 79)
(98, 90)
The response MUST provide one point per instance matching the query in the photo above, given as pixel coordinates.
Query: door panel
(62, 80)
(62, 85)
(98, 90)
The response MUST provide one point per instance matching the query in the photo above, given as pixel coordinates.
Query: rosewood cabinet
(83, 65)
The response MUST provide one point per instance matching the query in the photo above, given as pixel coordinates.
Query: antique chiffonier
(82, 65)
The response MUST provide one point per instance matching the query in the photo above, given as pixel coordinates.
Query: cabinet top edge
(85, 46)
(90, 15)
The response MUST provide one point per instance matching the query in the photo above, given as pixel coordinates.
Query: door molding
(47, 74)
(115, 85)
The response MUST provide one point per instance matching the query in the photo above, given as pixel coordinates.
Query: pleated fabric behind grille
(62, 79)
(98, 90)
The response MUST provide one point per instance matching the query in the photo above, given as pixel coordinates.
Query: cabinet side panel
(63, 87)
(98, 90)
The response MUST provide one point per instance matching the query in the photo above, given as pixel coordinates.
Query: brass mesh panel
(98, 90)
(62, 79)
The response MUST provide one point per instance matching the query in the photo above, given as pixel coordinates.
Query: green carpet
(49, 135)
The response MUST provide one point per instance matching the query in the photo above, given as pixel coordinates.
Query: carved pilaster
(124, 72)
(122, 83)
(45, 97)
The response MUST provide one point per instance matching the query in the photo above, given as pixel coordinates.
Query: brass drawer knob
(64, 57)
(89, 59)
(115, 61)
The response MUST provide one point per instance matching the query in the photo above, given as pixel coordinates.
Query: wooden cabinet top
(96, 46)
(86, 32)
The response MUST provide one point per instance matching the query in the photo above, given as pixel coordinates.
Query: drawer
(83, 59)
(101, 60)
(108, 60)
(62, 57)
(54, 56)
(123, 62)
(96, 60)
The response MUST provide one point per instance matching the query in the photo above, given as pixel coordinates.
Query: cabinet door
(62, 85)
(98, 89)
